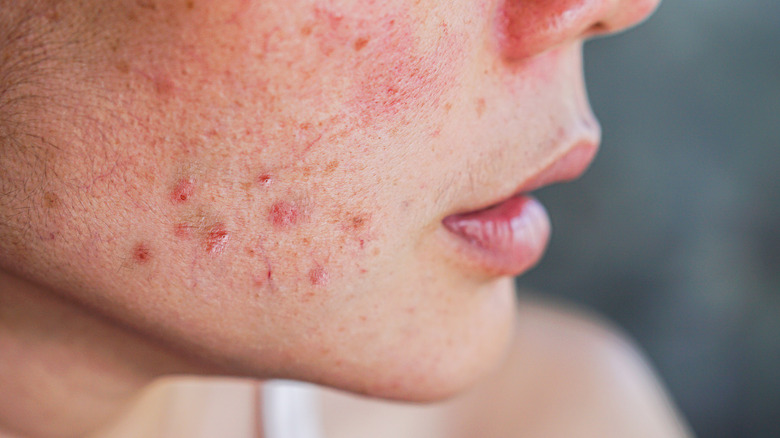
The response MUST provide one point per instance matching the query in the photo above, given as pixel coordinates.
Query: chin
(434, 365)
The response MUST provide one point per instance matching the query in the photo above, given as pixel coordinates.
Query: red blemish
(265, 180)
(163, 85)
(182, 230)
(141, 253)
(401, 77)
(217, 239)
(183, 190)
(318, 276)
(259, 280)
(284, 214)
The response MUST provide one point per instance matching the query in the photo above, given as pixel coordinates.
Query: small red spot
(284, 214)
(141, 253)
(163, 85)
(183, 190)
(265, 180)
(318, 276)
(258, 280)
(217, 239)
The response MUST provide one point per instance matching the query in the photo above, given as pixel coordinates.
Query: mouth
(510, 235)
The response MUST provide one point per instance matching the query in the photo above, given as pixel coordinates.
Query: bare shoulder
(569, 374)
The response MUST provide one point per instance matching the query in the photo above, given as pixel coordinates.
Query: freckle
(318, 276)
(375, 252)
(141, 253)
(250, 251)
(217, 239)
(480, 106)
(146, 4)
(447, 107)
(189, 4)
(333, 165)
(123, 67)
(183, 190)
(360, 43)
(182, 230)
(284, 214)
(306, 30)
(265, 180)
(51, 200)
(357, 222)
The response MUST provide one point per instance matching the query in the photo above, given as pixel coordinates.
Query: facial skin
(260, 186)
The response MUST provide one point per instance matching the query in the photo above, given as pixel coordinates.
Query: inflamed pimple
(284, 214)
(217, 238)
(318, 276)
(183, 190)
(141, 253)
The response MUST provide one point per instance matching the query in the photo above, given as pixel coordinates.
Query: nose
(530, 27)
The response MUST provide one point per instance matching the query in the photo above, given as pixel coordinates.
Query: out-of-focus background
(674, 233)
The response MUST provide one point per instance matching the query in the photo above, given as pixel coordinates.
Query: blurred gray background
(674, 233)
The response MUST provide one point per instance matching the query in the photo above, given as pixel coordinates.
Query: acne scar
(284, 214)
(318, 276)
(217, 238)
(141, 253)
(183, 190)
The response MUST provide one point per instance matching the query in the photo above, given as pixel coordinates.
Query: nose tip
(530, 27)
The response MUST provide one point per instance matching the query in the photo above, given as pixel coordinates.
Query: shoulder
(569, 374)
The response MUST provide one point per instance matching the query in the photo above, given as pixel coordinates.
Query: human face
(297, 188)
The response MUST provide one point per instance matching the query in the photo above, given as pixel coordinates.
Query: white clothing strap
(290, 410)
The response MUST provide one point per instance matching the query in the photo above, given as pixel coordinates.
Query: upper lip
(568, 165)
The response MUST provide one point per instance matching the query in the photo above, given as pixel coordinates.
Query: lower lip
(506, 239)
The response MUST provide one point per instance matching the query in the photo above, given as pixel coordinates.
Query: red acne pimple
(183, 190)
(217, 239)
(284, 214)
(141, 253)
(265, 180)
(318, 276)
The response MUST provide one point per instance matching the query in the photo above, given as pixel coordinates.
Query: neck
(64, 370)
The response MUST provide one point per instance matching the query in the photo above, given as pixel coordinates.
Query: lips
(510, 236)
